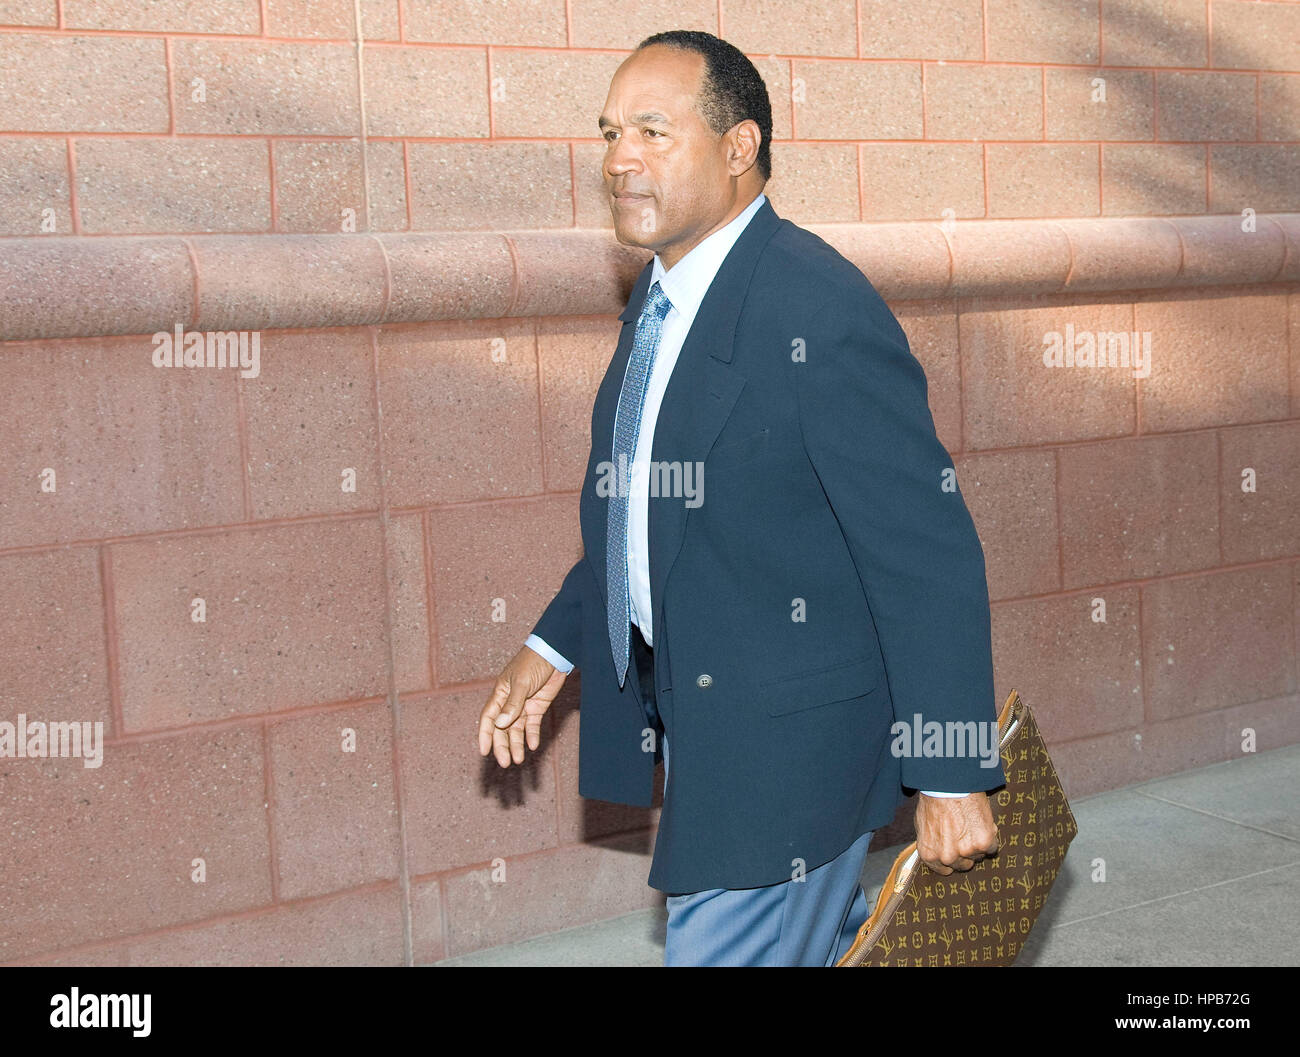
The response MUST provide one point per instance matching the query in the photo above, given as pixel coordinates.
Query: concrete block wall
(412, 223)
(241, 116)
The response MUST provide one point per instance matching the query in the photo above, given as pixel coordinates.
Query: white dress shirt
(685, 285)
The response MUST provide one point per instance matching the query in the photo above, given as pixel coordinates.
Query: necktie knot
(656, 303)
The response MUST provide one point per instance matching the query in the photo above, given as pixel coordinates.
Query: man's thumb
(513, 706)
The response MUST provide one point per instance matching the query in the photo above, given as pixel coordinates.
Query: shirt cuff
(538, 645)
(929, 792)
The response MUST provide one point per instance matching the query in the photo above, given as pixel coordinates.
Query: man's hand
(524, 691)
(954, 832)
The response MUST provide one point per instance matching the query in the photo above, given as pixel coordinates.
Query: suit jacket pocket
(737, 451)
(824, 686)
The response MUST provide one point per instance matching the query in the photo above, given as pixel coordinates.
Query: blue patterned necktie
(627, 425)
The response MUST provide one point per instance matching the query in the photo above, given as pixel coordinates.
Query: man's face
(666, 171)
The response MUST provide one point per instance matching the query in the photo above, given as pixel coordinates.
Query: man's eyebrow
(638, 119)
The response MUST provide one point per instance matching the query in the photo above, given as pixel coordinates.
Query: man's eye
(610, 133)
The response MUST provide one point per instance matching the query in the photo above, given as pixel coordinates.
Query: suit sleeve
(560, 626)
(868, 432)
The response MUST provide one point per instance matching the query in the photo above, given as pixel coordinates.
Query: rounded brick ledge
(88, 286)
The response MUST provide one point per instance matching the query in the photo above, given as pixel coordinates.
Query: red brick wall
(240, 116)
(372, 610)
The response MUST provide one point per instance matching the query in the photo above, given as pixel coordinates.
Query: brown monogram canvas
(981, 916)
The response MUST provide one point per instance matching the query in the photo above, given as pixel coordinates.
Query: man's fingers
(504, 737)
(508, 742)
(504, 695)
(511, 721)
(952, 856)
(516, 743)
(533, 725)
(486, 724)
(501, 747)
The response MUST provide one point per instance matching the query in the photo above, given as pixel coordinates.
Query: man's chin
(630, 238)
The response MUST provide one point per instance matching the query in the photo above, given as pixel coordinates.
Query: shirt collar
(687, 281)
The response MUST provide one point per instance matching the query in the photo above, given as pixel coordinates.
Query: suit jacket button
(704, 681)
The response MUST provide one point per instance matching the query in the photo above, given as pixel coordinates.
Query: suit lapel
(701, 393)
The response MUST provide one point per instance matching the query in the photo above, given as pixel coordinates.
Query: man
(777, 562)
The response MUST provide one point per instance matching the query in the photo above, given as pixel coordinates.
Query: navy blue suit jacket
(823, 497)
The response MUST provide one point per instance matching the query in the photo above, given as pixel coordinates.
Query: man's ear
(743, 141)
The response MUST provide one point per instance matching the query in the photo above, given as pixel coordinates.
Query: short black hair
(732, 90)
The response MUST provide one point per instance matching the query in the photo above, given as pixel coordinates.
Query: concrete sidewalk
(1200, 868)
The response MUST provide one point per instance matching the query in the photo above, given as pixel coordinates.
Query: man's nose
(620, 159)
